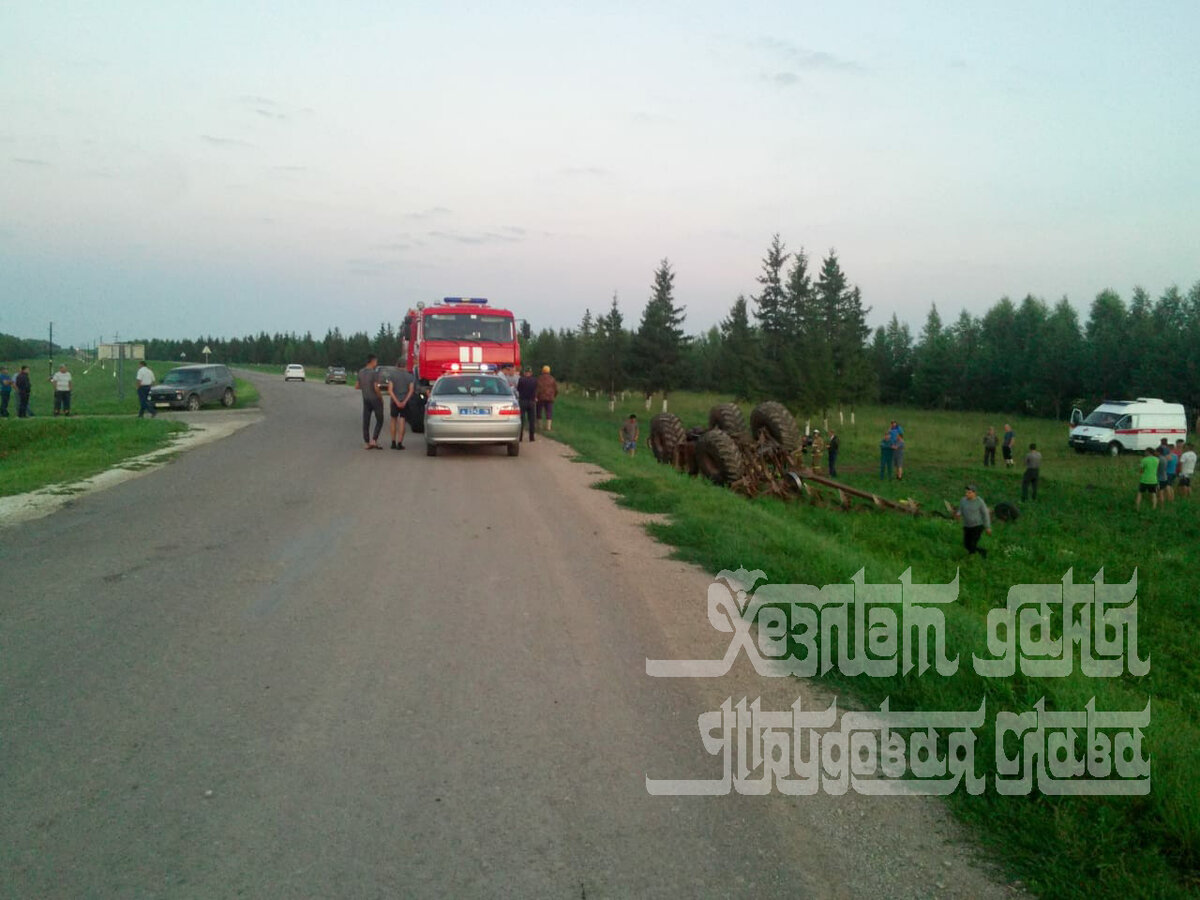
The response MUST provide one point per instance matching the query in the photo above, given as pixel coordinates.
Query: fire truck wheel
(773, 418)
(728, 417)
(718, 457)
(666, 433)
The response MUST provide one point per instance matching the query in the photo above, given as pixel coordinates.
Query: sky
(222, 168)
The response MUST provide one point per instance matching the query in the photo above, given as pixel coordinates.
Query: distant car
(190, 387)
(335, 375)
(472, 409)
(294, 371)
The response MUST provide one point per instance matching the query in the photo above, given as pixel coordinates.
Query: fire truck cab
(458, 334)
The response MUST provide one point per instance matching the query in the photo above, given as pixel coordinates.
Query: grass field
(98, 390)
(1083, 521)
(44, 450)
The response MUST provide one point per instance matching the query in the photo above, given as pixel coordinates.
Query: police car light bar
(479, 301)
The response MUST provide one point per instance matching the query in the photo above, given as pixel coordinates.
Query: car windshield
(182, 376)
(472, 385)
(467, 327)
(1102, 419)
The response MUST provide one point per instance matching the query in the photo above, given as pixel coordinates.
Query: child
(629, 434)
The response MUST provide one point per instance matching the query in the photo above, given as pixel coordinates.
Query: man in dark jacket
(527, 396)
(24, 388)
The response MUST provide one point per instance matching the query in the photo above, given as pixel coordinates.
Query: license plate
(474, 410)
(162, 405)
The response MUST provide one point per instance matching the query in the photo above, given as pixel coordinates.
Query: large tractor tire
(666, 434)
(727, 417)
(718, 458)
(777, 422)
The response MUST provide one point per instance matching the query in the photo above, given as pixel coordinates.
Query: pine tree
(658, 344)
(777, 327)
(737, 358)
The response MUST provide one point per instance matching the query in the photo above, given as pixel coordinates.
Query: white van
(1131, 425)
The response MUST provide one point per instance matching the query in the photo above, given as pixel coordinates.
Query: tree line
(802, 338)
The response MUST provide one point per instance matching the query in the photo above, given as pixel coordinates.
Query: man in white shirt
(62, 390)
(145, 380)
(1187, 466)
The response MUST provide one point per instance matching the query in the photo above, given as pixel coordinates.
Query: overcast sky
(174, 169)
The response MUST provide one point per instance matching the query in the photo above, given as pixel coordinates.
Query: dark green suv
(190, 387)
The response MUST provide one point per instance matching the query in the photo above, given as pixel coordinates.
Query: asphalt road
(284, 666)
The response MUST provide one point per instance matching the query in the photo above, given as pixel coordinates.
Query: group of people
(24, 388)
(535, 396)
(891, 452)
(399, 385)
(1163, 469)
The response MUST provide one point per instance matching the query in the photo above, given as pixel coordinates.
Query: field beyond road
(1083, 526)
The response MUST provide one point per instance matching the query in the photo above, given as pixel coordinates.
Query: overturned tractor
(765, 458)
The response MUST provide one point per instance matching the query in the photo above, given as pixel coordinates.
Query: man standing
(527, 397)
(1007, 446)
(547, 390)
(834, 444)
(1033, 465)
(367, 381)
(1187, 466)
(976, 520)
(62, 390)
(6, 386)
(989, 447)
(885, 456)
(145, 381)
(24, 389)
(400, 390)
(1148, 479)
(818, 448)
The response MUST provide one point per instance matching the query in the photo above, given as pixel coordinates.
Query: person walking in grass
(976, 519)
(1187, 465)
(1006, 446)
(990, 440)
(6, 386)
(898, 456)
(145, 381)
(1148, 478)
(629, 434)
(885, 456)
(24, 389)
(62, 390)
(1033, 467)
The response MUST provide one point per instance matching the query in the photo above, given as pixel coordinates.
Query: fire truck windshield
(459, 327)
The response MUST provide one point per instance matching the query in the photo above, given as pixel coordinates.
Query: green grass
(1084, 521)
(98, 390)
(42, 451)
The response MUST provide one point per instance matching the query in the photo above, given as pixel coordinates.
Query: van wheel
(193, 403)
(1114, 449)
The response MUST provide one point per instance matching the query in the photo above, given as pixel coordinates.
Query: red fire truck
(459, 334)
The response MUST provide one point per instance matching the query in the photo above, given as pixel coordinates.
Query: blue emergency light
(479, 301)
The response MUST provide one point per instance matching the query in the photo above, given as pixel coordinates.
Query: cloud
(801, 58)
(589, 171)
(27, 161)
(224, 142)
(431, 213)
(510, 235)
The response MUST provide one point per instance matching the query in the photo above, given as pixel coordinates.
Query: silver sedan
(472, 409)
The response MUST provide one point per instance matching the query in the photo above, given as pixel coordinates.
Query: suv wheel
(193, 402)
(228, 398)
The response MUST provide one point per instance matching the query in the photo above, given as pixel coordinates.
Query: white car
(294, 370)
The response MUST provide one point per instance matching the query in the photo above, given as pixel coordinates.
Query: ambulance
(1127, 425)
